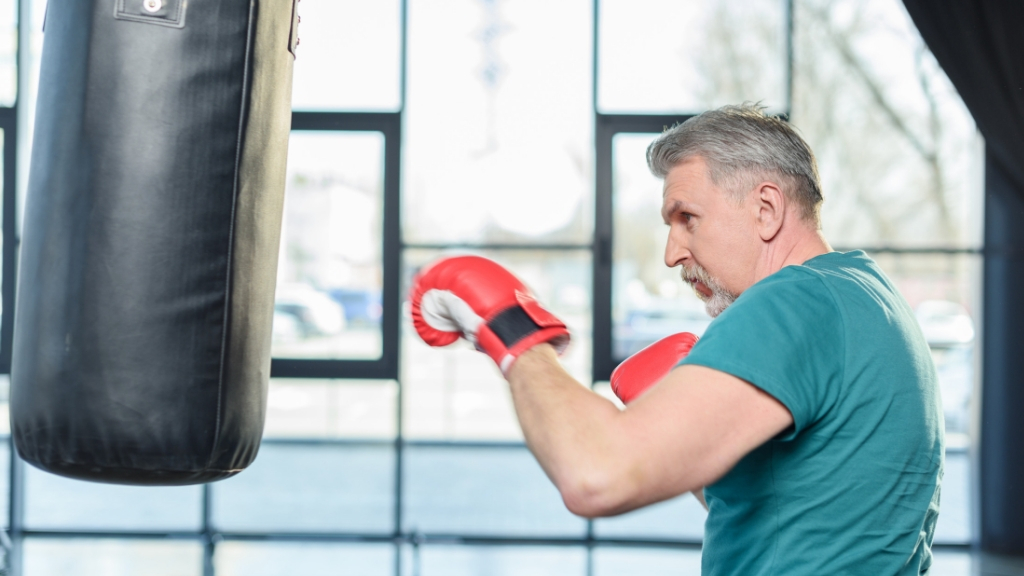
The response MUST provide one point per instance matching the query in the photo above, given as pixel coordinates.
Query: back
(853, 487)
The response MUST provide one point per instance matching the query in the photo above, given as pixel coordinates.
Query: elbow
(594, 494)
(615, 490)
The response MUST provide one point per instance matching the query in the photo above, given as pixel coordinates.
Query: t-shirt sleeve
(785, 336)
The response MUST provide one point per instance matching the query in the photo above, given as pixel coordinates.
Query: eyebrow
(672, 209)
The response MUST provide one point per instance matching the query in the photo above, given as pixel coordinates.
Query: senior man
(807, 416)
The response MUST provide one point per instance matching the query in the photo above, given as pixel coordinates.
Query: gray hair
(742, 146)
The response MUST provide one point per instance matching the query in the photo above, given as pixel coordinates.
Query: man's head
(742, 146)
(736, 182)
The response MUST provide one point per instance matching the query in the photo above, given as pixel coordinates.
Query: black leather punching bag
(151, 230)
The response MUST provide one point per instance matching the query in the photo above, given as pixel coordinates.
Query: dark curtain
(980, 45)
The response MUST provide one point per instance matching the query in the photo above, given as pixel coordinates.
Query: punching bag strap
(293, 34)
(170, 13)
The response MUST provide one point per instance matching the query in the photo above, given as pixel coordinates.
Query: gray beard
(720, 298)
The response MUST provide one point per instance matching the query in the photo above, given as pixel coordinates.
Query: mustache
(718, 300)
(695, 274)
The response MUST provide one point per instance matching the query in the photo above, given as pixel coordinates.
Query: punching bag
(150, 238)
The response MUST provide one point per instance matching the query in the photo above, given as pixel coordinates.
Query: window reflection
(305, 558)
(349, 55)
(110, 557)
(670, 56)
(8, 53)
(498, 135)
(459, 560)
(456, 392)
(649, 300)
(328, 300)
(899, 155)
(57, 503)
(309, 408)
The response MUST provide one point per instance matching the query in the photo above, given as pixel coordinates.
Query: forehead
(690, 175)
(687, 186)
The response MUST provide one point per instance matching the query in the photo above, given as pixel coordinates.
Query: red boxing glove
(477, 299)
(647, 367)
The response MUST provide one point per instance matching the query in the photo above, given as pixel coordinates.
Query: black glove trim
(512, 325)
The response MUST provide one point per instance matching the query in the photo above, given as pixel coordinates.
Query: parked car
(362, 307)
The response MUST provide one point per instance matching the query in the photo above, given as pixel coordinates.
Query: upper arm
(691, 429)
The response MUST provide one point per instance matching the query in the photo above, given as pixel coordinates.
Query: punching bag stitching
(228, 284)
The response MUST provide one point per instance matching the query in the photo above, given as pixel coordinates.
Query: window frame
(386, 367)
(406, 543)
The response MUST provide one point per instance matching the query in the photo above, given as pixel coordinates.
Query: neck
(788, 249)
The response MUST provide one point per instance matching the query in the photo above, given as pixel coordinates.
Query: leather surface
(142, 329)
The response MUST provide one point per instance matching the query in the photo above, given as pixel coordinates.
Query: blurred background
(516, 129)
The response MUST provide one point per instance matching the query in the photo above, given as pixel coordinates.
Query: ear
(770, 204)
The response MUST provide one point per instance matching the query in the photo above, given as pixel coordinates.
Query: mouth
(701, 288)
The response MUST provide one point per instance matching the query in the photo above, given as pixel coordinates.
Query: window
(516, 131)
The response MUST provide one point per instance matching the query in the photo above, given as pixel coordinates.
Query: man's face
(710, 235)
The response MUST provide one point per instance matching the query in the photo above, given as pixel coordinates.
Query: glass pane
(305, 408)
(498, 490)
(498, 123)
(349, 56)
(457, 392)
(308, 488)
(681, 518)
(955, 563)
(954, 525)
(57, 503)
(649, 300)
(648, 561)
(660, 56)
(328, 301)
(499, 561)
(305, 558)
(108, 557)
(950, 563)
(8, 52)
(900, 159)
(5, 481)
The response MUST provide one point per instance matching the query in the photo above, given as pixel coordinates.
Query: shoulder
(799, 292)
(792, 310)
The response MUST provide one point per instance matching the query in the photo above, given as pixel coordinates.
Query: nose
(677, 250)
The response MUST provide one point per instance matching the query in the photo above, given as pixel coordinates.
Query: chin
(717, 303)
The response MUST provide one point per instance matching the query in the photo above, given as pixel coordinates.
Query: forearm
(570, 430)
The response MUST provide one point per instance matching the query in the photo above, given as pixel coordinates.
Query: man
(809, 410)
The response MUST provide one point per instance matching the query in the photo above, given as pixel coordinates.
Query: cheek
(728, 254)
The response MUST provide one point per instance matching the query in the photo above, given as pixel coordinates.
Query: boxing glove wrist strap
(512, 325)
(517, 328)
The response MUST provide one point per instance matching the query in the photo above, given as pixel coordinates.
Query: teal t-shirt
(853, 486)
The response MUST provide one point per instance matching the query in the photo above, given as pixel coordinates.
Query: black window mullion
(8, 273)
(209, 539)
(606, 126)
(601, 341)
